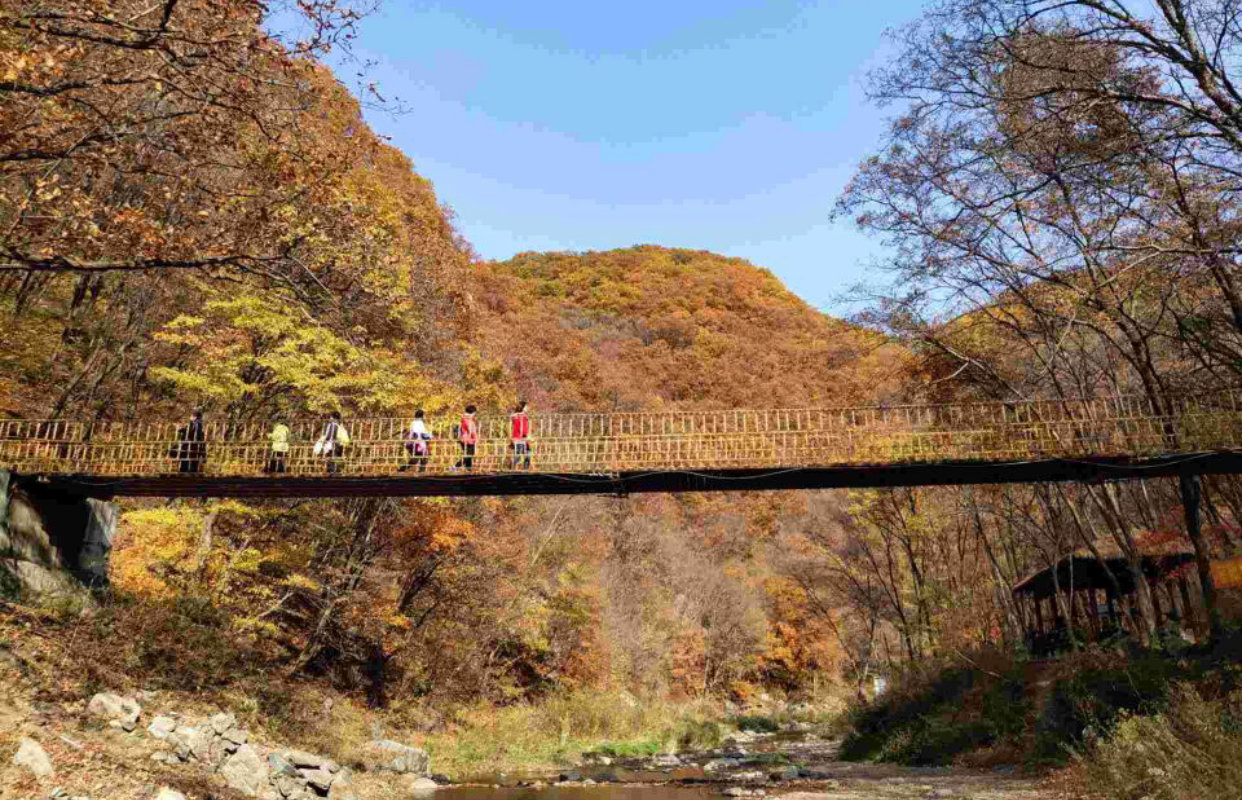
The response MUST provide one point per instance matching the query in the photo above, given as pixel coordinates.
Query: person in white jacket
(418, 442)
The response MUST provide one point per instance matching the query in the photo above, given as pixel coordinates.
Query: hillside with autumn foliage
(344, 287)
(194, 214)
(650, 328)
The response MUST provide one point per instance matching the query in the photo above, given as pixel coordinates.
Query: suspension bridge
(678, 451)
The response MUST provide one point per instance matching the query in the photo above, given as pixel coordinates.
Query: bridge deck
(677, 451)
(950, 473)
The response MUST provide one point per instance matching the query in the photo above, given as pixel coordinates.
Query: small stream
(745, 762)
(748, 767)
(607, 791)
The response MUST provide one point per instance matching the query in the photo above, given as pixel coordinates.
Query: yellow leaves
(159, 550)
(300, 581)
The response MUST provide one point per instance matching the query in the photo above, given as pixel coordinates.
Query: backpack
(456, 430)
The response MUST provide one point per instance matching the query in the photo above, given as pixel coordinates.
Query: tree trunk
(1192, 491)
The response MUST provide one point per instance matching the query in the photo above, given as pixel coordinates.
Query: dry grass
(555, 731)
(1192, 751)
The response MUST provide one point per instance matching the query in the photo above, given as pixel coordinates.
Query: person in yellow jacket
(278, 463)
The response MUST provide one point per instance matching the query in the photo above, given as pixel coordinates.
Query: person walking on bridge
(467, 438)
(418, 443)
(333, 442)
(280, 435)
(192, 447)
(520, 435)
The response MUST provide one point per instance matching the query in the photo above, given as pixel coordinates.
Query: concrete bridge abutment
(53, 544)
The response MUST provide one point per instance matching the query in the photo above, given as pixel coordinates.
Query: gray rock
(754, 776)
(419, 785)
(245, 771)
(162, 726)
(343, 787)
(386, 755)
(738, 791)
(291, 787)
(279, 765)
(319, 779)
(218, 750)
(236, 736)
(222, 723)
(32, 756)
(121, 712)
(303, 760)
(666, 760)
(719, 764)
(190, 743)
(167, 793)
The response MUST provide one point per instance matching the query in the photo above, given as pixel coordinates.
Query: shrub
(935, 718)
(1091, 700)
(900, 713)
(756, 723)
(1191, 751)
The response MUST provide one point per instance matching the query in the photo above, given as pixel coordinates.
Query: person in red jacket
(520, 435)
(467, 437)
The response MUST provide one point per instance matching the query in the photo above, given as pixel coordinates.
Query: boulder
(343, 787)
(419, 785)
(279, 765)
(304, 760)
(222, 723)
(32, 756)
(718, 764)
(218, 750)
(245, 771)
(292, 787)
(385, 755)
(162, 726)
(190, 743)
(121, 712)
(667, 760)
(166, 793)
(319, 779)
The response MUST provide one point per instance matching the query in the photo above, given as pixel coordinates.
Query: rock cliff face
(51, 545)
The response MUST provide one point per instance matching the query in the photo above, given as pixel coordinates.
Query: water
(601, 792)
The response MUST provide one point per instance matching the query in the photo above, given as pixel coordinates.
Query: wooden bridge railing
(609, 443)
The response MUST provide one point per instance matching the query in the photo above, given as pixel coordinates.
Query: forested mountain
(685, 588)
(650, 328)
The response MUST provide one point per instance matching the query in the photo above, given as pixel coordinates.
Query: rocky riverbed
(121, 749)
(794, 765)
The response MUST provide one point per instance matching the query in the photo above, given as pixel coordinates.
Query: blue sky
(711, 124)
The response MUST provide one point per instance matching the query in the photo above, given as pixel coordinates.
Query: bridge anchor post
(52, 544)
